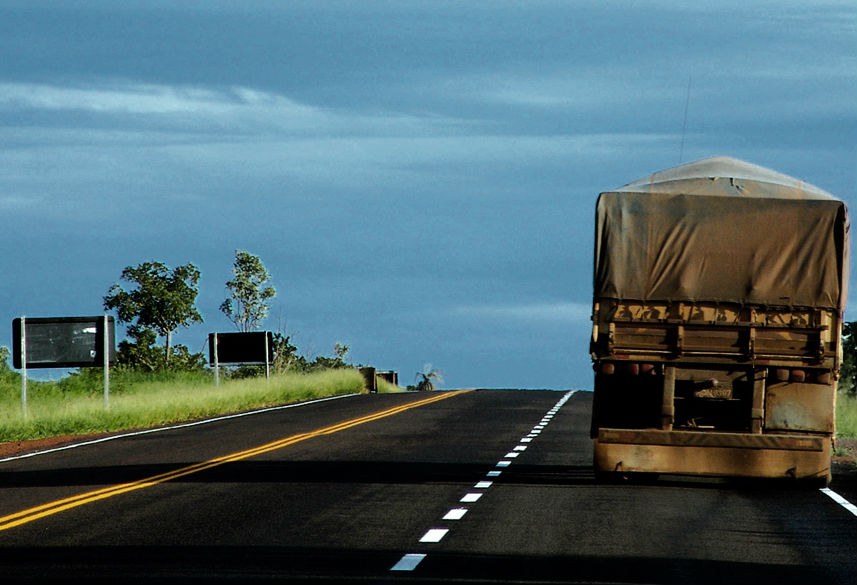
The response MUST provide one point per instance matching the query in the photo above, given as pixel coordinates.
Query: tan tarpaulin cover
(722, 230)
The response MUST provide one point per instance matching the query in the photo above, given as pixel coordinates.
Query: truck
(719, 291)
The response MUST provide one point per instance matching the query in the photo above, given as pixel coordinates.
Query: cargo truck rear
(719, 293)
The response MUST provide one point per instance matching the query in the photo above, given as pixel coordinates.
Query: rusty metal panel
(800, 407)
(716, 339)
(713, 461)
(718, 331)
(629, 336)
(771, 442)
(788, 341)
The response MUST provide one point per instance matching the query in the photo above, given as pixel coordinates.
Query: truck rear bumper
(713, 454)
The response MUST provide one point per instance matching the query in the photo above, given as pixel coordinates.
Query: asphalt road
(473, 487)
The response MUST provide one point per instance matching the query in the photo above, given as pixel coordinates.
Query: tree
(141, 353)
(248, 302)
(427, 377)
(162, 301)
(340, 352)
(286, 356)
(6, 373)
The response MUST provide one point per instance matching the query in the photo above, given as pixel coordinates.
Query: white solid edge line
(172, 427)
(840, 500)
(408, 562)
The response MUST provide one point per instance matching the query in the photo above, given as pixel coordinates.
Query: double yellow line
(57, 506)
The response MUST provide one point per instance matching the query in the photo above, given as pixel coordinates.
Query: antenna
(684, 123)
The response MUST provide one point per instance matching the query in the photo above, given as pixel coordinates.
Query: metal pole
(23, 367)
(106, 348)
(267, 361)
(216, 364)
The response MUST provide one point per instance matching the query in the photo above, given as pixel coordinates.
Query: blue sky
(419, 178)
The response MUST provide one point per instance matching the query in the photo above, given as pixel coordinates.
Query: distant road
(489, 486)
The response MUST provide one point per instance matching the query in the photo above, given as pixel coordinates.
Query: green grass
(846, 415)
(75, 405)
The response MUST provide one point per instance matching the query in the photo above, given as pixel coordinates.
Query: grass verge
(76, 406)
(845, 447)
(846, 415)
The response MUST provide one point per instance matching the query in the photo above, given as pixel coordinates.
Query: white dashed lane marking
(410, 561)
(434, 535)
(455, 514)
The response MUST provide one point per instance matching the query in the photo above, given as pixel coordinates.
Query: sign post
(23, 349)
(105, 349)
(267, 358)
(216, 361)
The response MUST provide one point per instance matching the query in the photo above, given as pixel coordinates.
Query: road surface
(486, 486)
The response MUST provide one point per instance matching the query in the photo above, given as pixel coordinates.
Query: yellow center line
(57, 506)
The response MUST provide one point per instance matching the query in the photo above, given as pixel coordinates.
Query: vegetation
(385, 387)
(846, 427)
(162, 301)
(846, 399)
(152, 386)
(846, 415)
(74, 405)
(427, 378)
(247, 305)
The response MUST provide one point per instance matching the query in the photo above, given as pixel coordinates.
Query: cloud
(201, 108)
(140, 98)
(126, 99)
(141, 143)
(586, 87)
(229, 111)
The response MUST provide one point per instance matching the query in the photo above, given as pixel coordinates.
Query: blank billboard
(62, 342)
(241, 348)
